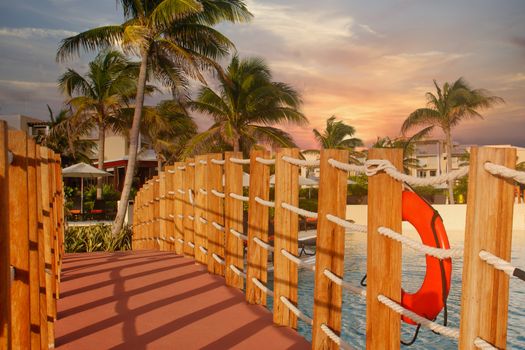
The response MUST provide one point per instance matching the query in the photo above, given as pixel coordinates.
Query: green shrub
(97, 238)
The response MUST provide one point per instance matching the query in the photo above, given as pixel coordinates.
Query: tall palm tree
(245, 106)
(174, 40)
(446, 109)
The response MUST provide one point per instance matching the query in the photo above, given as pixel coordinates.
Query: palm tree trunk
(101, 152)
(449, 167)
(133, 146)
(159, 166)
(236, 144)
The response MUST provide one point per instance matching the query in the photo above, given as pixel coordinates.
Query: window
(433, 173)
(421, 173)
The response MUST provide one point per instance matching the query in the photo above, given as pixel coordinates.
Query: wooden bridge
(197, 275)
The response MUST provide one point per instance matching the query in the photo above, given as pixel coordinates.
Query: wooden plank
(215, 215)
(180, 198)
(258, 216)
(384, 274)
(329, 250)
(189, 186)
(5, 261)
(44, 337)
(485, 291)
(156, 213)
(201, 239)
(285, 237)
(233, 219)
(54, 225)
(46, 211)
(19, 240)
(34, 276)
(163, 212)
(170, 224)
(60, 218)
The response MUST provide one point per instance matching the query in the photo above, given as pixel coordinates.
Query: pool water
(354, 307)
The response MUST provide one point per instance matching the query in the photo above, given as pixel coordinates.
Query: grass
(96, 239)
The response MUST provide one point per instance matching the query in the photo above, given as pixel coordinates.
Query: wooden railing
(195, 208)
(31, 241)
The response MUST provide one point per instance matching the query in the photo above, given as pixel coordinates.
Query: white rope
(203, 220)
(239, 161)
(191, 217)
(203, 162)
(335, 338)
(218, 259)
(296, 260)
(265, 161)
(266, 203)
(171, 171)
(497, 262)
(172, 238)
(163, 197)
(300, 162)
(299, 211)
(346, 166)
(181, 191)
(203, 250)
(239, 197)
(190, 195)
(203, 191)
(180, 240)
(483, 344)
(262, 286)
(436, 327)
(346, 224)
(238, 234)
(217, 226)
(191, 244)
(237, 271)
(296, 311)
(157, 180)
(218, 161)
(439, 253)
(182, 167)
(171, 216)
(191, 164)
(180, 216)
(263, 244)
(340, 282)
(218, 194)
(503, 171)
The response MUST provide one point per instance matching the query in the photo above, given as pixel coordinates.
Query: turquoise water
(354, 307)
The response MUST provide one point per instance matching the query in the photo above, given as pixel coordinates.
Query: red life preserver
(429, 300)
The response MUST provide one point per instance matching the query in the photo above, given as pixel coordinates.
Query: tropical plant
(520, 166)
(174, 40)
(99, 95)
(244, 108)
(81, 239)
(452, 104)
(65, 137)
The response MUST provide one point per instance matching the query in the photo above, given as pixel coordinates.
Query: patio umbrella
(83, 170)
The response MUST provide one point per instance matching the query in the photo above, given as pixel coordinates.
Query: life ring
(430, 299)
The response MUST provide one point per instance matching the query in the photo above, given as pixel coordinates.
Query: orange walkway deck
(158, 300)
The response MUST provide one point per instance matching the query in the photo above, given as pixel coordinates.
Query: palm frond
(90, 40)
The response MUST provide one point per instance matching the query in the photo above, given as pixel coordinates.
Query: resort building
(32, 126)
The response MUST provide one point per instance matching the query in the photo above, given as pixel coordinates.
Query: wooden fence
(195, 208)
(31, 241)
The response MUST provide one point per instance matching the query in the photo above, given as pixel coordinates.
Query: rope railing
(440, 253)
(335, 338)
(203, 162)
(240, 161)
(502, 265)
(483, 344)
(218, 194)
(436, 327)
(262, 287)
(503, 171)
(192, 164)
(263, 244)
(296, 260)
(340, 282)
(218, 259)
(180, 216)
(181, 241)
(265, 161)
(299, 211)
(203, 250)
(191, 244)
(237, 271)
(203, 191)
(239, 197)
(347, 224)
(169, 171)
(203, 220)
(264, 202)
(181, 191)
(171, 193)
(295, 310)
(218, 161)
(217, 226)
(191, 217)
(301, 162)
(238, 234)
(181, 167)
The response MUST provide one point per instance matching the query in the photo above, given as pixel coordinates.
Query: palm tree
(245, 106)
(446, 109)
(100, 94)
(174, 40)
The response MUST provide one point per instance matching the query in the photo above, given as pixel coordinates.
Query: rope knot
(373, 166)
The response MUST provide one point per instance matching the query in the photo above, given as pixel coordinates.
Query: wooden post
(285, 237)
(46, 211)
(215, 215)
(53, 216)
(5, 260)
(156, 215)
(201, 240)
(233, 209)
(170, 223)
(60, 218)
(19, 240)
(180, 198)
(44, 337)
(188, 181)
(329, 249)
(151, 214)
(34, 276)
(163, 212)
(258, 216)
(485, 291)
(384, 254)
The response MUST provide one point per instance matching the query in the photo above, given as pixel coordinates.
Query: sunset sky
(368, 62)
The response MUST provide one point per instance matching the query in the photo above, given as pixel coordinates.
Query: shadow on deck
(158, 300)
